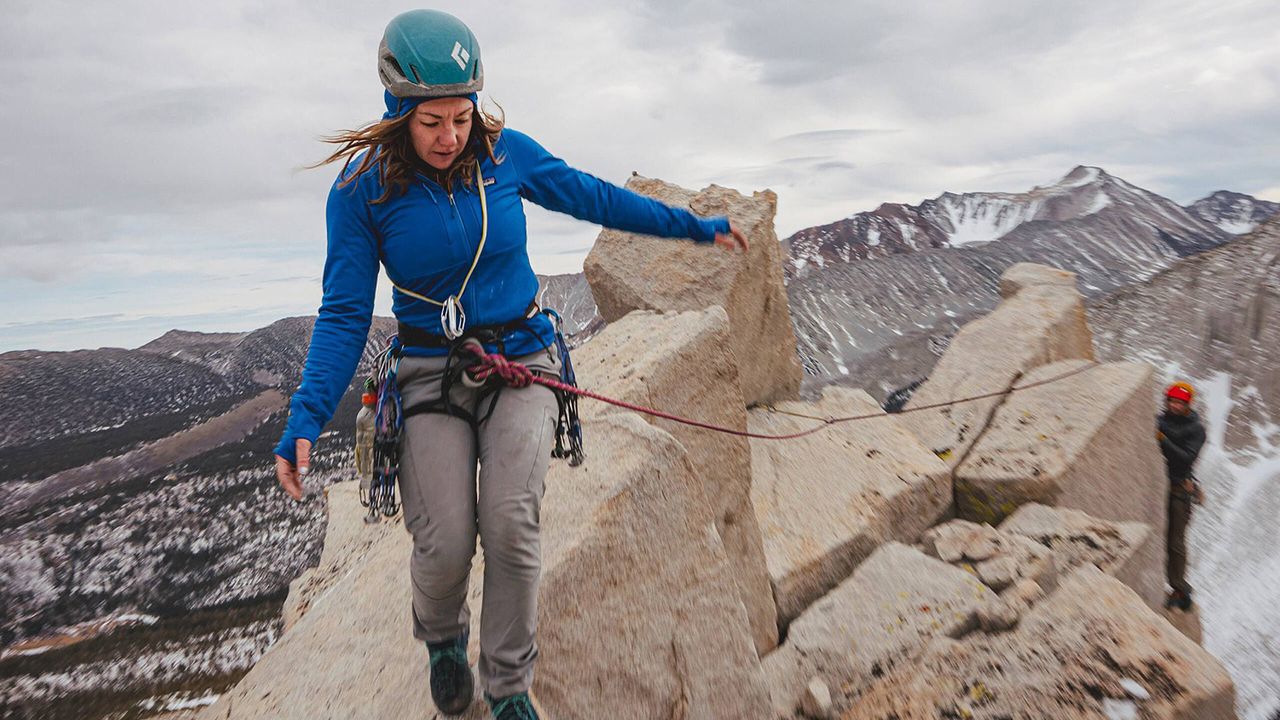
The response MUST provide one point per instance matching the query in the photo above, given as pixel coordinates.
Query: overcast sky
(153, 150)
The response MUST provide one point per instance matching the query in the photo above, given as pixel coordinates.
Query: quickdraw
(388, 421)
(568, 424)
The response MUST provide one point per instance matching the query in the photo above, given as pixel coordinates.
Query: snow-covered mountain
(953, 220)
(1233, 212)
(876, 318)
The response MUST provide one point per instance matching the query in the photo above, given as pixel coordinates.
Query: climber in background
(1181, 435)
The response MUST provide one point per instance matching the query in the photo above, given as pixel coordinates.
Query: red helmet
(1180, 391)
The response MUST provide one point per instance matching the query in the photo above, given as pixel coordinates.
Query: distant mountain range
(953, 220)
(915, 274)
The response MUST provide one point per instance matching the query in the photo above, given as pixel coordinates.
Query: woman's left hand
(732, 240)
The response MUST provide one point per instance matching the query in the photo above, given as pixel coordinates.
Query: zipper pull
(455, 205)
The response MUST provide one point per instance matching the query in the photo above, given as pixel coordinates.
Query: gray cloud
(153, 142)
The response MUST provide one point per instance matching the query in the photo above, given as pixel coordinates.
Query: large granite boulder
(637, 272)
(884, 614)
(683, 363)
(1042, 321)
(1087, 444)
(1077, 538)
(1091, 651)
(826, 501)
(638, 611)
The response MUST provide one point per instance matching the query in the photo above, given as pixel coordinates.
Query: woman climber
(433, 192)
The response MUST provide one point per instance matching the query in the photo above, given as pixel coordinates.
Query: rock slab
(638, 272)
(826, 501)
(1077, 538)
(1043, 321)
(682, 363)
(884, 614)
(639, 612)
(347, 540)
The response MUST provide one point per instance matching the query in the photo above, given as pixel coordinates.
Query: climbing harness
(389, 410)
(452, 318)
(458, 364)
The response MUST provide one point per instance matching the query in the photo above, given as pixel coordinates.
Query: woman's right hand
(732, 240)
(289, 475)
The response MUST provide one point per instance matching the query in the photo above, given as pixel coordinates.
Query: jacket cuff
(708, 228)
(287, 448)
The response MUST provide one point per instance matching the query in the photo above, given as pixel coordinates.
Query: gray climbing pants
(446, 502)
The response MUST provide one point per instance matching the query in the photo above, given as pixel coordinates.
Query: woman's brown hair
(386, 144)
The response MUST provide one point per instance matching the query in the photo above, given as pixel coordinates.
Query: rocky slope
(136, 500)
(885, 609)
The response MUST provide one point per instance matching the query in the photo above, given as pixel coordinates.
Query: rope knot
(513, 374)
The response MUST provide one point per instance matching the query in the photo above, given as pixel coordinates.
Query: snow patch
(873, 237)
(1100, 201)
(976, 219)
(1237, 227)
(1119, 709)
(137, 619)
(1134, 689)
(192, 702)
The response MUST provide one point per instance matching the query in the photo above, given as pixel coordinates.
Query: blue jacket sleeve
(550, 182)
(342, 326)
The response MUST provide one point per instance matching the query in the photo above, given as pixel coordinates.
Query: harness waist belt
(412, 336)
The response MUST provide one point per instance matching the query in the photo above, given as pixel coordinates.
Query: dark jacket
(1183, 438)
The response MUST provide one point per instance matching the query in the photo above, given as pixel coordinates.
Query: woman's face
(439, 130)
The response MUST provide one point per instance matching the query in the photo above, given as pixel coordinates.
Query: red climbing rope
(517, 375)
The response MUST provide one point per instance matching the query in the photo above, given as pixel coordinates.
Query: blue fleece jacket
(427, 239)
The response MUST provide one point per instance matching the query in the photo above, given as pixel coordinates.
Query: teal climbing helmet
(428, 53)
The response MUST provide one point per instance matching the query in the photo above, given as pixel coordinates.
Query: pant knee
(513, 544)
(444, 551)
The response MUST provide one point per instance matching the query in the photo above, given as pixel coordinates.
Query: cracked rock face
(1040, 324)
(1070, 445)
